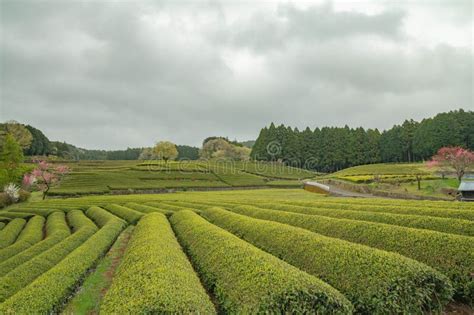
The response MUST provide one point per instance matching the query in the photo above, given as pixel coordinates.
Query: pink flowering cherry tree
(454, 158)
(45, 176)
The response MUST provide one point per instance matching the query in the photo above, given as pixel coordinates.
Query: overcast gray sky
(112, 74)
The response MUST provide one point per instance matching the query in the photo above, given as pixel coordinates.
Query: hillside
(103, 177)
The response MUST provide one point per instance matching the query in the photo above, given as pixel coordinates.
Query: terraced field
(103, 177)
(252, 251)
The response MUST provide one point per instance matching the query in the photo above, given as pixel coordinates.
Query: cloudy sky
(112, 74)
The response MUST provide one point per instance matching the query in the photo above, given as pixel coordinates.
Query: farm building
(466, 188)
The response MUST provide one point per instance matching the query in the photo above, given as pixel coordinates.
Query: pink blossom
(28, 180)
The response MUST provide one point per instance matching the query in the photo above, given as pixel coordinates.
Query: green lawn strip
(88, 297)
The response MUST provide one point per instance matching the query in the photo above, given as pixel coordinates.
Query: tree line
(330, 149)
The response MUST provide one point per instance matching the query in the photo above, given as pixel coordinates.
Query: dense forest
(329, 149)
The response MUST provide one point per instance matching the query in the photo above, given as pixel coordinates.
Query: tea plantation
(112, 177)
(241, 251)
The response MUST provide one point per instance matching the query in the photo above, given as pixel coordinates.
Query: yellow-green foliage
(385, 169)
(374, 281)
(246, 280)
(453, 226)
(147, 209)
(155, 275)
(2, 225)
(9, 234)
(101, 216)
(20, 276)
(45, 294)
(17, 214)
(130, 215)
(393, 207)
(31, 234)
(451, 254)
(56, 231)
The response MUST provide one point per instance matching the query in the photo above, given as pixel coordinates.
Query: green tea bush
(22, 275)
(246, 280)
(41, 212)
(393, 208)
(148, 209)
(130, 215)
(101, 216)
(155, 276)
(451, 254)
(9, 234)
(56, 230)
(446, 225)
(31, 234)
(47, 293)
(374, 281)
(77, 220)
(21, 215)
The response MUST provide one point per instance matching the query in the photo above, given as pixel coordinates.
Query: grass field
(240, 251)
(102, 177)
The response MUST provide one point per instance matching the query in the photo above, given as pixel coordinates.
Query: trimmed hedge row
(56, 230)
(31, 234)
(77, 220)
(101, 216)
(428, 211)
(374, 281)
(9, 233)
(155, 276)
(148, 209)
(37, 211)
(451, 254)
(14, 215)
(5, 220)
(22, 275)
(406, 203)
(245, 279)
(168, 206)
(130, 215)
(47, 293)
(453, 226)
(56, 223)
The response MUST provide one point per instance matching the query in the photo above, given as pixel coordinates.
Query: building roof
(466, 186)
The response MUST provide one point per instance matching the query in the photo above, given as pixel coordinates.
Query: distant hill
(248, 143)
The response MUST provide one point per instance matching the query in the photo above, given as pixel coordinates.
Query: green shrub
(426, 210)
(47, 293)
(37, 211)
(2, 225)
(155, 275)
(9, 234)
(24, 195)
(101, 216)
(374, 281)
(31, 234)
(148, 209)
(22, 275)
(4, 200)
(130, 215)
(21, 215)
(77, 219)
(453, 226)
(451, 254)
(246, 280)
(56, 231)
